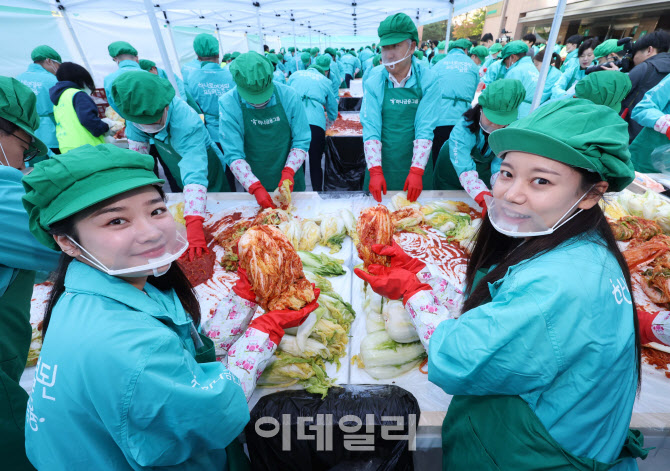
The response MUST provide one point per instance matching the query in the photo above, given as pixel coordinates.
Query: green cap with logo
(397, 28)
(252, 74)
(501, 99)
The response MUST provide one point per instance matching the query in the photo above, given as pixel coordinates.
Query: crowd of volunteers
(536, 340)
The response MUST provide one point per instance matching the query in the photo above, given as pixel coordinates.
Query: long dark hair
(173, 279)
(555, 58)
(472, 115)
(75, 73)
(493, 248)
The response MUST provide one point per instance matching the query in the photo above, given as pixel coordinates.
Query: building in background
(603, 18)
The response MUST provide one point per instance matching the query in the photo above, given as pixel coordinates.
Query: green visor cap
(66, 184)
(441, 45)
(495, 47)
(324, 61)
(463, 43)
(121, 47)
(274, 60)
(479, 51)
(206, 45)
(305, 57)
(575, 132)
(501, 99)
(146, 64)
(141, 97)
(397, 28)
(515, 47)
(252, 74)
(41, 53)
(606, 87)
(606, 48)
(18, 104)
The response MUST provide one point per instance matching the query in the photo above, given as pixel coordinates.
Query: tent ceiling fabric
(332, 17)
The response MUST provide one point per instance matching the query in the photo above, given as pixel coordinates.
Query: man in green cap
(277, 75)
(440, 54)
(264, 130)
(519, 66)
(398, 114)
(21, 257)
(466, 161)
(350, 65)
(194, 64)
(315, 89)
(478, 55)
(305, 60)
(180, 136)
(605, 87)
(606, 51)
(40, 77)
(291, 64)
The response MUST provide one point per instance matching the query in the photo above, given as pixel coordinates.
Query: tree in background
(469, 25)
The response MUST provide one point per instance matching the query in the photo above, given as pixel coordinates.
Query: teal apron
(643, 145)
(16, 335)
(399, 108)
(267, 142)
(446, 178)
(216, 175)
(235, 456)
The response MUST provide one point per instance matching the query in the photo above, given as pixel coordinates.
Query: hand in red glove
(399, 259)
(274, 322)
(667, 133)
(195, 236)
(377, 184)
(243, 288)
(414, 183)
(479, 199)
(393, 283)
(645, 321)
(261, 195)
(287, 174)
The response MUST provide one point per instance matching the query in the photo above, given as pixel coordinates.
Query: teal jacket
(316, 92)
(206, 85)
(231, 125)
(279, 77)
(568, 80)
(553, 77)
(349, 64)
(367, 65)
(525, 71)
(654, 104)
(496, 70)
(39, 80)
(290, 65)
(365, 55)
(559, 333)
(461, 144)
(571, 60)
(189, 67)
(371, 108)
(118, 377)
(336, 77)
(132, 133)
(456, 77)
(187, 134)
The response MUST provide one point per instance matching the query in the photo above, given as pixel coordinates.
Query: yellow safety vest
(69, 131)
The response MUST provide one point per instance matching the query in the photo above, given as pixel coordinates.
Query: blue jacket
(461, 143)
(40, 80)
(189, 67)
(206, 85)
(84, 106)
(371, 108)
(316, 92)
(365, 54)
(571, 60)
(565, 85)
(336, 77)
(553, 77)
(349, 64)
(290, 65)
(118, 377)
(496, 70)
(456, 77)
(278, 77)
(656, 103)
(558, 333)
(525, 71)
(231, 125)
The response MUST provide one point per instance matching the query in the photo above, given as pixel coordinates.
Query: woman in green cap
(22, 255)
(124, 342)
(543, 354)
(466, 160)
(264, 129)
(564, 87)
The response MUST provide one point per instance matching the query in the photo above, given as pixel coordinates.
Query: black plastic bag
(344, 168)
(350, 103)
(296, 430)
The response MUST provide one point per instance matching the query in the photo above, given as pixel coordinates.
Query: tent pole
(174, 44)
(260, 29)
(161, 45)
(218, 36)
(549, 48)
(293, 24)
(451, 16)
(75, 39)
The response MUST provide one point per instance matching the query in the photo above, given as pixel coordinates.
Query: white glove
(662, 124)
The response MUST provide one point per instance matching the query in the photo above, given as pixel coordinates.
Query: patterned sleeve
(447, 294)
(426, 312)
(229, 322)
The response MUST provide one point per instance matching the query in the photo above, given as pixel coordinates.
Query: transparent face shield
(387, 55)
(514, 220)
(150, 252)
(156, 127)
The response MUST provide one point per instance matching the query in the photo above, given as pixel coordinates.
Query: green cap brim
(501, 118)
(396, 38)
(36, 144)
(533, 142)
(101, 192)
(256, 98)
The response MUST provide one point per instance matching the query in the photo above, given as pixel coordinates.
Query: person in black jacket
(652, 64)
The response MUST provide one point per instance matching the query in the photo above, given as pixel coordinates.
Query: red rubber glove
(414, 183)
(479, 199)
(195, 236)
(274, 322)
(481, 86)
(287, 174)
(393, 283)
(243, 288)
(377, 184)
(261, 195)
(667, 133)
(399, 259)
(645, 320)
